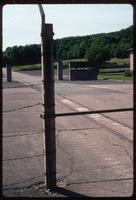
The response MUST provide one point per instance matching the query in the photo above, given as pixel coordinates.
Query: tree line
(95, 48)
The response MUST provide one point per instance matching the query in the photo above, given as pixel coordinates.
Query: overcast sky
(22, 23)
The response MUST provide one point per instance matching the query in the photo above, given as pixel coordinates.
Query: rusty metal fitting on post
(47, 116)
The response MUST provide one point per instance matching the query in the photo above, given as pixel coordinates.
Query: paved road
(94, 152)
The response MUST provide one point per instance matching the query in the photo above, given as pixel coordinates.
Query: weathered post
(70, 72)
(48, 103)
(59, 70)
(9, 73)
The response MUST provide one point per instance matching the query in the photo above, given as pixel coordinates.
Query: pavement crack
(77, 129)
(22, 134)
(125, 149)
(82, 130)
(24, 107)
(98, 181)
(24, 157)
(9, 186)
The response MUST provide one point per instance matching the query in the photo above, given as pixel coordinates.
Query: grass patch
(66, 62)
(27, 67)
(118, 60)
(114, 76)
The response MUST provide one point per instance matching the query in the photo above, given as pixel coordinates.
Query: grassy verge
(114, 76)
(27, 67)
(66, 62)
(119, 60)
(38, 66)
(102, 75)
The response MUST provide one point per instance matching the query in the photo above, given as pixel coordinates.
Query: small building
(131, 59)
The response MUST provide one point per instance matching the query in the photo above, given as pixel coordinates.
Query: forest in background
(96, 48)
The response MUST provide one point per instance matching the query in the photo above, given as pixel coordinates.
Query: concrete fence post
(9, 73)
(59, 70)
(48, 106)
(69, 72)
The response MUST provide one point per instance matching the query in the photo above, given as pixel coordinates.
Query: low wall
(82, 71)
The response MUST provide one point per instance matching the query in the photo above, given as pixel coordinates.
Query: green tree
(98, 53)
(97, 48)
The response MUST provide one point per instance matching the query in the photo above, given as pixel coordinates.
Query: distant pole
(48, 103)
(59, 70)
(9, 72)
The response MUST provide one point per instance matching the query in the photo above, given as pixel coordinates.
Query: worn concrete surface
(92, 160)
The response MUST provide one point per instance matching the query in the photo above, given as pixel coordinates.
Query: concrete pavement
(91, 159)
(22, 163)
(22, 138)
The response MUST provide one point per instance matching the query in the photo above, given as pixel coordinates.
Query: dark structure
(82, 71)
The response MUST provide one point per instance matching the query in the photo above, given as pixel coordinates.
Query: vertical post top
(42, 13)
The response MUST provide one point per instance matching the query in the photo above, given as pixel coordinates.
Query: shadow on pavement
(67, 193)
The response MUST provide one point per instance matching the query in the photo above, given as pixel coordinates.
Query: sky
(22, 23)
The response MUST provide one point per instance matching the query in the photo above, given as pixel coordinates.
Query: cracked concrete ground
(91, 159)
